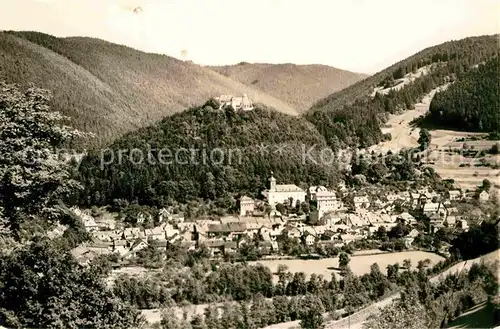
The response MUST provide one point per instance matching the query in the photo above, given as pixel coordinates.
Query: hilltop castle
(236, 102)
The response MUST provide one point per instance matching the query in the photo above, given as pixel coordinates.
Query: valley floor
(356, 320)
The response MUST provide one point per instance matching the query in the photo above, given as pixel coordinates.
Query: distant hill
(110, 89)
(471, 103)
(299, 85)
(207, 155)
(352, 116)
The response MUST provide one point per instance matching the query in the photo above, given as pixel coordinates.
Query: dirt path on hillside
(402, 134)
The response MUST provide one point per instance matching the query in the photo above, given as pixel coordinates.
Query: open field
(359, 264)
(448, 164)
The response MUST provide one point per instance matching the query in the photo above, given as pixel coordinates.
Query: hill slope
(110, 89)
(353, 115)
(207, 154)
(300, 85)
(472, 103)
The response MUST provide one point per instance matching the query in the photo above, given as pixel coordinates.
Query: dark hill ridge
(253, 144)
(472, 103)
(110, 89)
(352, 117)
(300, 85)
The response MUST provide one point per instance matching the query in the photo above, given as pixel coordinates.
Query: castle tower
(272, 180)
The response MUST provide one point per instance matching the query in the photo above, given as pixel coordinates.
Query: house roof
(137, 242)
(227, 227)
(326, 194)
(431, 206)
(288, 188)
(100, 244)
(246, 199)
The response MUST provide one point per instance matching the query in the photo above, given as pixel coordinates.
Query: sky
(358, 35)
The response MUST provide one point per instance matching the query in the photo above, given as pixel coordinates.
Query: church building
(283, 193)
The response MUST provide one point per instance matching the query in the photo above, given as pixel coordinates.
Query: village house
(120, 247)
(391, 197)
(455, 195)
(247, 206)
(326, 202)
(144, 217)
(405, 195)
(408, 241)
(308, 238)
(484, 196)
(431, 208)
(83, 255)
(228, 231)
(163, 215)
(106, 235)
(356, 220)
(348, 238)
(156, 233)
(422, 190)
(100, 247)
(219, 247)
(407, 219)
(315, 189)
(88, 221)
(377, 203)
(131, 233)
(291, 232)
(463, 224)
(415, 198)
(285, 194)
(453, 216)
(361, 202)
(138, 245)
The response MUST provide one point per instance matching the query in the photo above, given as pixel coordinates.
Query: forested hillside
(472, 103)
(299, 85)
(221, 152)
(352, 116)
(110, 89)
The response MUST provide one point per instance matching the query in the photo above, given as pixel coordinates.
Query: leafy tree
(44, 287)
(407, 264)
(486, 185)
(424, 139)
(311, 315)
(405, 313)
(34, 176)
(495, 148)
(344, 260)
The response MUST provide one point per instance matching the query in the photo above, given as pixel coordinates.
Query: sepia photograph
(249, 164)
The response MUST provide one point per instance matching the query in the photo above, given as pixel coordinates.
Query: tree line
(471, 103)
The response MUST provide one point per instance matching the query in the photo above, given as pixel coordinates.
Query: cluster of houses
(335, 223)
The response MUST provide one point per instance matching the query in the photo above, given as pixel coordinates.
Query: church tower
(272, 181)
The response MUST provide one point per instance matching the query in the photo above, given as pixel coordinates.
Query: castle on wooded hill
(236, 102)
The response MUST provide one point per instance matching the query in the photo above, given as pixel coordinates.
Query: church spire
(272, 181)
